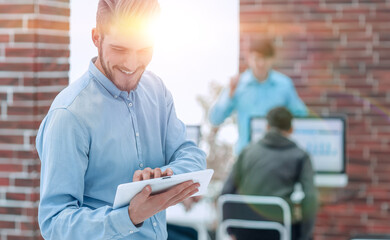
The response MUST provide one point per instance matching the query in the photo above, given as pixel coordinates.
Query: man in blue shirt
(255, 92)
(114, 125)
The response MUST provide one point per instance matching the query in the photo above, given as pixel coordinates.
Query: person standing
(255, 92)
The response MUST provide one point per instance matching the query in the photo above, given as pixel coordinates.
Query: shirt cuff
(122, 223)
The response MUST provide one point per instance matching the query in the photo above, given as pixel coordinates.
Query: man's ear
(95, 37)
(290, 131)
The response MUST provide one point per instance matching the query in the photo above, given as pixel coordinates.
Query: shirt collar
(103, 80)
(269, 80)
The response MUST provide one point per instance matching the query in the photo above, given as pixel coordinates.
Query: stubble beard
(125, 86)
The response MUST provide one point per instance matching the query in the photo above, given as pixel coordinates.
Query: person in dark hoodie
(271, 167)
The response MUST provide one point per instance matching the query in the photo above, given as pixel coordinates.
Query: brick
(20, 52)
(44, 9)
(4, 38)
(19, 124)
(46, 82)
(44, 24)
(25, 155)
(3, 96)
(47, 95)
(40, 38)
(43, 67)
(53, 53)
(29, 52)
(7, 225)
(34, 168)
(18, 96)
(22, 67)
(29, 225)
(21, 237)
(11, 23)
(9, 81)
(11, 210)
(25, 183)
(16, 8)
(357, 168)
(4, 139)
(20, 110)
(34, 196)
(10, 167)
(16, 196)
(4, 182)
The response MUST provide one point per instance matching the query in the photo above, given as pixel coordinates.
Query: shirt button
(131, 232)
(137, 134)
(115, 96)
(154, 224)
(141, 165)
(130, 104)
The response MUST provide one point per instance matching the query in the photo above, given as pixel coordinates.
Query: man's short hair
(263, 46)
(132, 12)
(280, 118)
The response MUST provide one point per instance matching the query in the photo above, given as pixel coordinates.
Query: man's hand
(143, 205)
(189, 202)
(233, 85)
(149, 173)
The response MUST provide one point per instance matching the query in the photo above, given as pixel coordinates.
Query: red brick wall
(34, 53)
(338, 54)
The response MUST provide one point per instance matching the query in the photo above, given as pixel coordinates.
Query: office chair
(241, 213)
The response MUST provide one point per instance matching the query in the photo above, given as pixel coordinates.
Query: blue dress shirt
(255, 99)
(93, 139)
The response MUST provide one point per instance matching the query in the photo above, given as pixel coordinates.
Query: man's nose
(131, 62)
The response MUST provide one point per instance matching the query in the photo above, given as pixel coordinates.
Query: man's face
(260, 65)
(123, 55)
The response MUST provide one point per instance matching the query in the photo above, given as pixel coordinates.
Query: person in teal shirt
(256, 91)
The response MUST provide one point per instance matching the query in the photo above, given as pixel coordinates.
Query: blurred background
(337, 53)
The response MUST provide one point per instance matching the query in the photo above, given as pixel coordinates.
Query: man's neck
(262, 79)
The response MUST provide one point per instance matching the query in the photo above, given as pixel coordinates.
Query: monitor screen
(323, 138)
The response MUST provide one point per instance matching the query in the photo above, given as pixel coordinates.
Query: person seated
(271, 167)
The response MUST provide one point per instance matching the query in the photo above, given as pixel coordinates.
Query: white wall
(198, 42)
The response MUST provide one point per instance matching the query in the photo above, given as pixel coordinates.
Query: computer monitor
(324, 138)
(193, 133)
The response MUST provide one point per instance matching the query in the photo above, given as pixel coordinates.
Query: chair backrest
(254, 212)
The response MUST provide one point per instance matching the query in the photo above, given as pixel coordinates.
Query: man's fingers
(137, 176)
(182, 190)
(143, 195)
(184, 195)
(157, 173)
(167, 172)
(146, 174)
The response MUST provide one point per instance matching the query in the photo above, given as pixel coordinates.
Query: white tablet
(125, 192)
